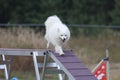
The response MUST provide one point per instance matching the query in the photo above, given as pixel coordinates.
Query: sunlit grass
(85, 47)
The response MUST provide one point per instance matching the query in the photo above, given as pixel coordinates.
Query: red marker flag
(101, 71)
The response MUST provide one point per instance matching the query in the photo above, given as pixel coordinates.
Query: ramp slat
(68, 59)
(67, 53)
(82, 72)
(74, 65)
(85, 78)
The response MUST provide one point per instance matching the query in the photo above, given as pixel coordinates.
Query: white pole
(60, 75)
(36, 65)
(5, 66)
(97, 66)
(108, 66)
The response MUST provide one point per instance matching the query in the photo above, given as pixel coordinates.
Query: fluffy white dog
(57, 33)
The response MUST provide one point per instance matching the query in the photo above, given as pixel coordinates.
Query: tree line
(70, 11)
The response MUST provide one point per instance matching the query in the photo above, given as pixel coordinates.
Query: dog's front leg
(58, 49)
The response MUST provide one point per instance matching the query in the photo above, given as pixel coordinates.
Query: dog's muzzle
(63, 40)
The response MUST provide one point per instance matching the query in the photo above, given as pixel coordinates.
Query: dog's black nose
(64, 40)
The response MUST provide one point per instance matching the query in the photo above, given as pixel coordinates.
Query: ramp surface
(72, 66)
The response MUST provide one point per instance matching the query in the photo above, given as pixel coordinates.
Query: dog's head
(63, 37)
(64, 34)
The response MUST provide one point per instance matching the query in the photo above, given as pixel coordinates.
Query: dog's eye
(61, 35)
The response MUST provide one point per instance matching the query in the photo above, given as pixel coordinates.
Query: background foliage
(70, 11)
(102, 12)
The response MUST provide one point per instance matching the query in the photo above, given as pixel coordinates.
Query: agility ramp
(72, 66)
(68, 64)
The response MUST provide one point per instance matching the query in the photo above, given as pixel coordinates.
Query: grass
(21, 75)
(27, 75)
(30, 75)
(89, 49)
(21, 38)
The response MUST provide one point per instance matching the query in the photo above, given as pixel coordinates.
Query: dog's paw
(61, 54)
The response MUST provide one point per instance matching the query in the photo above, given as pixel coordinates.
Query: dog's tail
(51, 20)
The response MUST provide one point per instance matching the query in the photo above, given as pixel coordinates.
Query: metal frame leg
(60, 75)
(5, 68)
(36, 65)
(66, 77)
(44, 65)
(9, 66)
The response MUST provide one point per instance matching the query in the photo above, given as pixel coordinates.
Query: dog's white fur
(57, 33)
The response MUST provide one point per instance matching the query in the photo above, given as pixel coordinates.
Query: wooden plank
(80, 72)
(86, 78)
(74, 65)
(67, 53)
(68, 59)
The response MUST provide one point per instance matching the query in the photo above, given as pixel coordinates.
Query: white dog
(57, 33)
